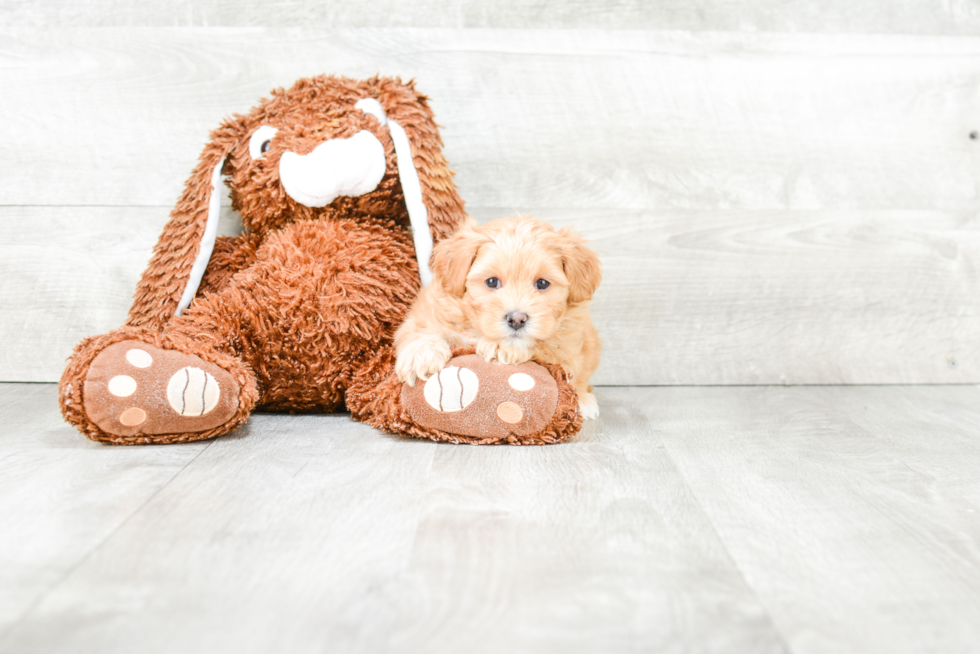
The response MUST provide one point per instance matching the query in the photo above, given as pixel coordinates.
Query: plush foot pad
(134, 388)
(471, 397)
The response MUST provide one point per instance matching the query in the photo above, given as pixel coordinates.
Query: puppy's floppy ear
(581, 265)
(434, 205)
(181, 254)
(453, 258)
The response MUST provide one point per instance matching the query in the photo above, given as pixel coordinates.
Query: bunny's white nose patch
(338, 167)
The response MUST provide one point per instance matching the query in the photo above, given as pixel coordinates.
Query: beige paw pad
(193, 392)
(452, 389)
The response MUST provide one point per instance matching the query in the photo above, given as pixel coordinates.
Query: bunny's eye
(261, 141)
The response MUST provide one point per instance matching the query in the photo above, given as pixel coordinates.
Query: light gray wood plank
(906, 16)
(852, 512)
(287, 536)
(303, 534)
(779, 297)
(718, 297)
(806, 519)
(62, 496)
(591, 546)
(597, 118)
(67, 273)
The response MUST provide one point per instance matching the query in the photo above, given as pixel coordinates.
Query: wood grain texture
(549, 118)
(731, 519)
(288, 536)
(897, 16)
(782, 297)
(716, 297)
(591, 546)
(62, 496)
(852, 512)
(771, 208)
(314, 533)
(67, 273)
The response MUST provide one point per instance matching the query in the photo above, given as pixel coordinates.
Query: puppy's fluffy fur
(517, 289)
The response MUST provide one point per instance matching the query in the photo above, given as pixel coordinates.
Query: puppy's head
(516, 277)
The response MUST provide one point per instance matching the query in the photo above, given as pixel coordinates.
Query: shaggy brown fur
(301, 310)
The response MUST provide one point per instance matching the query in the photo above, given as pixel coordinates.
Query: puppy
(518, 290)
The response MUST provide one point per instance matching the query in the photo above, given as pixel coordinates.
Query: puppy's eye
(542, 284)
(265, 146)
(493, 282)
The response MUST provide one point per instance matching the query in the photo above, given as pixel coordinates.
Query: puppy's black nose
(516, 320)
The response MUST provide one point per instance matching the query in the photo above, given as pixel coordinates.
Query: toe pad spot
(521, 381)
(510, 412)
(122, 385)
(139, 358)
(132, 417)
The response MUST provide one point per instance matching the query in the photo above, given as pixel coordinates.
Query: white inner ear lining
(418, 215)
(207, 242)
(372, 107)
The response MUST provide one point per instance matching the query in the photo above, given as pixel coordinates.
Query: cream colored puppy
(518, 290)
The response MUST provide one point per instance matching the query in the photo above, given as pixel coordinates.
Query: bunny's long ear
(181, 254)
(434, 206)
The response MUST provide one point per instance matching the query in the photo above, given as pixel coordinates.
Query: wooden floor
(730, 519)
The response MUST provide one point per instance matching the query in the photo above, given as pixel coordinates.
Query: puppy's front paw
(509, 355)
(487, 349)
(512, 355)
(588, 406)
(421, 358)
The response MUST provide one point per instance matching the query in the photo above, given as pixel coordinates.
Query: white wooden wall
(782, 192)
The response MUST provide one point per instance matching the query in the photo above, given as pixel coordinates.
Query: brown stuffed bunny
(342, 189)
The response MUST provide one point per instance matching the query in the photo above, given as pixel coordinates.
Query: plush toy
(342, 189)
